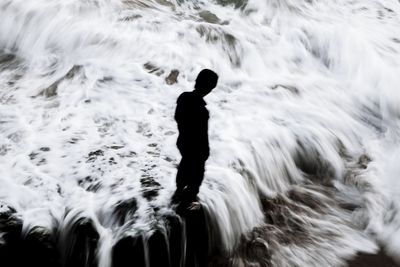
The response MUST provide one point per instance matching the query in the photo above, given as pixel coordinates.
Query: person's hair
(207, 79)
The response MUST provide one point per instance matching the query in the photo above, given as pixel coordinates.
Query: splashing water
(304, 127)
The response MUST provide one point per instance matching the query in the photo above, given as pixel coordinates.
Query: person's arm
(203, 134)
(178, 110)
(183, 116)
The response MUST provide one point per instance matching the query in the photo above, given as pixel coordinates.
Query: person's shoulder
(185, 97)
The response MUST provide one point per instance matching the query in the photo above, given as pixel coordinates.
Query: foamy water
(304, 123)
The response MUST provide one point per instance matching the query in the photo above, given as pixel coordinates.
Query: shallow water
(304, 127)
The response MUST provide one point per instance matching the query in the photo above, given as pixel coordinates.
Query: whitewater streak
(304, 127)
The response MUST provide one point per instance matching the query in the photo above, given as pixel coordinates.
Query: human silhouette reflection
(192, 116)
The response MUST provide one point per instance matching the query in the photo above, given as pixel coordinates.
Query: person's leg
(181, 174)
(181, 179)
(197, 168)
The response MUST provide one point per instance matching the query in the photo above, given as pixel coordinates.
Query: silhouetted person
(192, 116)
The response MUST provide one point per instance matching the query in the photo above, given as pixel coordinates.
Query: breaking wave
(304, 130)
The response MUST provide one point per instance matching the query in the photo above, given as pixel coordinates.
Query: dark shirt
(192, 116)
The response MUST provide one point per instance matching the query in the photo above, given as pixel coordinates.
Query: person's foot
(194, 205)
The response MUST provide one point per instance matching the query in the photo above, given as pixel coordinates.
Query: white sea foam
(314, 81)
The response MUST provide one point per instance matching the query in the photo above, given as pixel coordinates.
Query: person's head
(205, 82)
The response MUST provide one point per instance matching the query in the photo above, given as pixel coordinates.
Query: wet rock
(33, 155)
(10, 236)
(134, 4)
(38, 160)
(35, 248)
(129, 251)
(9, 61)
(78, 242)
(289, 88)
(169, 133)
(148, 181)
(5, 58)
(300, 196)
(349, 206)
(129, 154)
(96, 153)
(150, 193)
(197, 238)
(380, 259)
(90, 184)
(168, 159)
(165, 3)
(175, 235)
(281, 223)
(39, 249)
(209, 17)
(4, 149)
(151, 68)
(75, 243)
(73, 72)
(172, 77)
(51, 90)
(150, 187)
(92, 156)
(106, 79)
(125, 210)
(144, 129)
(116, 147)
(227, 41)
(255, 249)
(41, 162)
(73, 140)
(112, 161)
(313, 165)
(153, 153)
(363, 161)
(158, 249)
(352, 178)
(236, 3)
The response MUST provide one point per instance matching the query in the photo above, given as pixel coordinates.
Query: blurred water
(304, 126)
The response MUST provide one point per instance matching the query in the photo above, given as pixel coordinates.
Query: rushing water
(304, 127)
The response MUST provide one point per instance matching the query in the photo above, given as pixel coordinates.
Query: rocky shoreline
(184, 241)
(180, 240)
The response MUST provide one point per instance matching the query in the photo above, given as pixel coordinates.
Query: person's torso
(192, 117)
